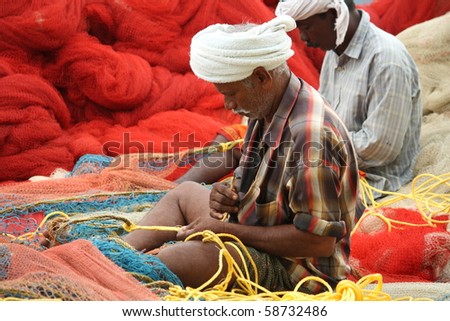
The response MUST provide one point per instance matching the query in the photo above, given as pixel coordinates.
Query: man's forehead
(228, 86)
(304, 22)
(311, 20)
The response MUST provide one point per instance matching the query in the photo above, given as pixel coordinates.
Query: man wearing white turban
(371, 81)
(292, 200)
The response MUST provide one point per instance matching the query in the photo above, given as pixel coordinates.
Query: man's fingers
(224, 196)
(215, 214)
(221, 208)
(228, 191)
(225, 190)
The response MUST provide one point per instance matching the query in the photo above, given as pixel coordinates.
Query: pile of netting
(86, 210)
(410, 244)
(88, 260)
(109, 77)
(129, 183)
(74, 271)
(112, 77)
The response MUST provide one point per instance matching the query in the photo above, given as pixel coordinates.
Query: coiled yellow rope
(428, 201)
(346, 290)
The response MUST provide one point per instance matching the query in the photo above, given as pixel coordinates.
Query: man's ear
(262, 76)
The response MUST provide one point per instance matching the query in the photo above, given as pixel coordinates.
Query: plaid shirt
(302, 171)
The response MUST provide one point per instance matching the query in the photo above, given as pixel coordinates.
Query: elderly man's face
(246, 98)
(318, 31)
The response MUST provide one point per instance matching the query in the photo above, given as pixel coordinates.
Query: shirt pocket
(267, 213)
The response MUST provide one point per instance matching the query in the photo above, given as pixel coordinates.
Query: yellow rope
(428, 202)
(346, 290)
(130, 227)
(249, 289)
(221, 147)
(32, 235)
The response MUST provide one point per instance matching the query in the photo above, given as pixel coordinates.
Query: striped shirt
(301, 171)
(374, 88)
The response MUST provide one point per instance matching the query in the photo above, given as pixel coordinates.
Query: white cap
(222, 53)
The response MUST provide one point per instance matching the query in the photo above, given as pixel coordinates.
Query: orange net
(108, 182)
(72, 272)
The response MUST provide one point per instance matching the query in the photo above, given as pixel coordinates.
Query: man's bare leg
(195, 262)
(179, 206)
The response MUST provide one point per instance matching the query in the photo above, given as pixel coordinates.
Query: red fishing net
(395, 16)
(108, 77)
(407, 253)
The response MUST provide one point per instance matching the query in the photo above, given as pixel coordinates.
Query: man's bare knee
(188, 186)
(184, 193)
(192, 199)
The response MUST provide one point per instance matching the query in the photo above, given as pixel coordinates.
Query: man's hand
(223, 199)
(199, 225)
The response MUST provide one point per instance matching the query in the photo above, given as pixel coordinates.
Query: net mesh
(74, 271)
(431, 55)
(89, 204)
(414, 252)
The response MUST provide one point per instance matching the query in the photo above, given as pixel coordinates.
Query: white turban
(303, 9)
(224, 53)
